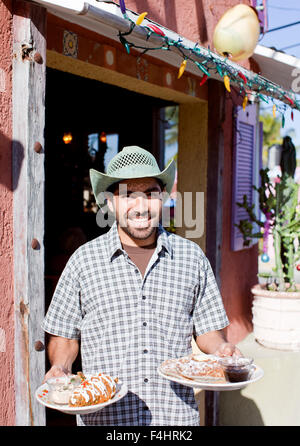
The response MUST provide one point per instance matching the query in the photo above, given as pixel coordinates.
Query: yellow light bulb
(182, 68)
(140, 18)
(227, 83)
(245, 102)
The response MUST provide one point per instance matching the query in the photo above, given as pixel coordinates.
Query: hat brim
(101, 182)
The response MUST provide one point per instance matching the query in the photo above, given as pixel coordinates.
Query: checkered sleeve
(209, 313)
(64, 315)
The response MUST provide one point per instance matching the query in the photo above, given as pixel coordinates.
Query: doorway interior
(87, 123)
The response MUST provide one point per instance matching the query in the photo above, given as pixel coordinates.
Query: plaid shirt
(129, 324)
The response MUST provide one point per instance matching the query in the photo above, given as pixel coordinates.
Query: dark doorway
(86, 123)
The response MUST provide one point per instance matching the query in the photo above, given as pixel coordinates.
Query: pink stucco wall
(193, 19)
(7, 416)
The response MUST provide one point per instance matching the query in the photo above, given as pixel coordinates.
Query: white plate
(257, 374)
(41, 396)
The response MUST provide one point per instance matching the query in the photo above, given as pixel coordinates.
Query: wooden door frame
(28, 105)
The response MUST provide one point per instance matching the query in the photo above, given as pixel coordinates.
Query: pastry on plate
(93, 390)
(169, 366)
(206, 370)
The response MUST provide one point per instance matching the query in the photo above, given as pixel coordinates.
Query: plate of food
(209, 372)
(80, 394)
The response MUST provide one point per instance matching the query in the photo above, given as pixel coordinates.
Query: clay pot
(276, 318)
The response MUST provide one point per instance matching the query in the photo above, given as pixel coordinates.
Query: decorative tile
(70, 44)
(168, 77)
(110, 57)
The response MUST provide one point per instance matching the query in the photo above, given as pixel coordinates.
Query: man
(135, 297)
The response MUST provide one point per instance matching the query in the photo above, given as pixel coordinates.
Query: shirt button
(144, 297)
(145, 408)
(145, 324)
(146, 380)
(145, 351)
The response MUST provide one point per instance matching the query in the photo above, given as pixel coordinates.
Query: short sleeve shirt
(128, 324)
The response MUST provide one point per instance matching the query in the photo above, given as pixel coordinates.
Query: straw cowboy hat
(131, 162)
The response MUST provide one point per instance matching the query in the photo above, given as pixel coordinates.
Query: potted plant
(276, 304)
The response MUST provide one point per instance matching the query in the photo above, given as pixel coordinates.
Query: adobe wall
(7, 409)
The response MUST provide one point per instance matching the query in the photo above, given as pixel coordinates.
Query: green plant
(279, 204)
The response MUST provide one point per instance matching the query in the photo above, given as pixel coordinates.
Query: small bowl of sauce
(237, 369)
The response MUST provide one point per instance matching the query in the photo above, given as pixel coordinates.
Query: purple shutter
(244, 146)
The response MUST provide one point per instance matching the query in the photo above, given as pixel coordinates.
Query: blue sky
(283, 13)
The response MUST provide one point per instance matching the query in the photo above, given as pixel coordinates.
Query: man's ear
(110, 201)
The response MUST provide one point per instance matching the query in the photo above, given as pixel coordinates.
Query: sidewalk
(274, 400)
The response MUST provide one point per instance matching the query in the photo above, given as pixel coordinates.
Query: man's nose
(141, 203)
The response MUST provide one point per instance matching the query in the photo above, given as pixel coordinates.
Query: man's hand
(56, 371)
(215, 343)
(227, 349)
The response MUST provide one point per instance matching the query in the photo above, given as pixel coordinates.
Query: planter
(276, 318)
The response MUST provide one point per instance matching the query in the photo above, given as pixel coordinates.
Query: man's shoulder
(178, 243)
(96, 245)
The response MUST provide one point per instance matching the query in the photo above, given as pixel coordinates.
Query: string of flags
(207, 62)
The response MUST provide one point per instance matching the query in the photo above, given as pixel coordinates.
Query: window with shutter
(246, 165)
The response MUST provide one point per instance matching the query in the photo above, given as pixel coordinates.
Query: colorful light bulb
(140, 18)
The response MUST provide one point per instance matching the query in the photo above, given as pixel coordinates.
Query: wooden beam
(28, 102)
(215, 161)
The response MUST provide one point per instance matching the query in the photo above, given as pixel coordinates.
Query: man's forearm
(215, 343)
(211, 341)
(62, 352)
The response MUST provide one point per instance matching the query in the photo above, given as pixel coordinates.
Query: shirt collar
(114, 242)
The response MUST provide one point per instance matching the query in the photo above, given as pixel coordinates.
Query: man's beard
(139, 233)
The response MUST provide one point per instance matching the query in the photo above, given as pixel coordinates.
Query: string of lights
(208, 63)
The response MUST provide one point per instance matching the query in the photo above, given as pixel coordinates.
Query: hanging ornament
(245, 102)
(292, 115)
(265, 258)
(242, 76)
(122, 6)
(274, 110)
(227, 82)
(203, 80)
(237, 32)
(290, 100)
(140, 18)
(155, 29)
(181, 68)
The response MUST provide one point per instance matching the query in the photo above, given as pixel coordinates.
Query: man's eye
(154, 195)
